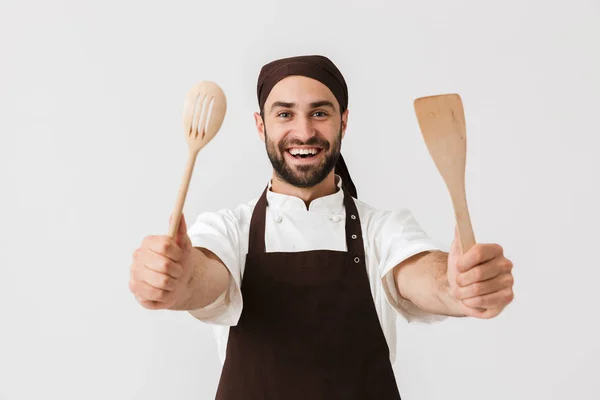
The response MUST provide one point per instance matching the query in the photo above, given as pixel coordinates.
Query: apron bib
(308, 329)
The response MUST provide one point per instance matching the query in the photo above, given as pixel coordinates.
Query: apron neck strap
(354, 239)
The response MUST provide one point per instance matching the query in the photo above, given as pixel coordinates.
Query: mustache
(313, 141)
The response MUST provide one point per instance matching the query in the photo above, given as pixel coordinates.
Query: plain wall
(92, 153)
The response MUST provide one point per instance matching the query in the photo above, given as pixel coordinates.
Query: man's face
(302, 128)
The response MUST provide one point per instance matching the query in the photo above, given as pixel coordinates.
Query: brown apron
(308, 329)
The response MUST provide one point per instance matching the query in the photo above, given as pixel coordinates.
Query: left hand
(480, 280)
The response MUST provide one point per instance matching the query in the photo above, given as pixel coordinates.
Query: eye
(284, 114)
(320, 114)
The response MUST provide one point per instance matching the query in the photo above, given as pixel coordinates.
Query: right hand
(162, 270)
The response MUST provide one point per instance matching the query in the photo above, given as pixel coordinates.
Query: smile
(303, 152)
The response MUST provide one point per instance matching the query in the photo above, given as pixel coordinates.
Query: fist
(162, 269)
(480, 280)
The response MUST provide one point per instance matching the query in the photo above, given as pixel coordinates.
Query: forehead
(301, 90)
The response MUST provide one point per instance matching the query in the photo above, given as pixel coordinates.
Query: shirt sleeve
(219, 233)
(399, 238)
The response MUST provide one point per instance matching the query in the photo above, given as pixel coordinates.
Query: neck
(325, 188)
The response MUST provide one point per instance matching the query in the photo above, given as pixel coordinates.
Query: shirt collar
(330, 203)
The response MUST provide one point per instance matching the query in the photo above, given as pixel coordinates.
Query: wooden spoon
(442, 122)
(203, 113)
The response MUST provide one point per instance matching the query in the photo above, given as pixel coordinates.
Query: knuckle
(498, 248)
(147, 241)
(510, 280)
(508, 265)
(164, 281)
(163, 296)
(165, 265)
(159, 295)
(164, 246)
(478, 252)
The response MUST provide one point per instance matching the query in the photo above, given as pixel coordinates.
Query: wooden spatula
(203, 114)
(442, 122)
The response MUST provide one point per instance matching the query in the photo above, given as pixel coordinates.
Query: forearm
(209, 280)
(422, 280)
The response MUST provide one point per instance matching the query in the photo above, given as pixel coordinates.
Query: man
(304, 284)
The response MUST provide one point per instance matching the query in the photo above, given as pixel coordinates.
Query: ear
(344, 122)
(260, 125)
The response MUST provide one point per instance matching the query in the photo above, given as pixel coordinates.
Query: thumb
(455, 248)
(455, 252)
(181, 238)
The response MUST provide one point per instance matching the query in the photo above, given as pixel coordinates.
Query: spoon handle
(183, 189)
(463, 220)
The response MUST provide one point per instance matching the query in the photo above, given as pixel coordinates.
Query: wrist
(454, 307)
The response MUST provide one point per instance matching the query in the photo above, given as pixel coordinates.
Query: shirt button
(354, 236)
(335, 218)
(356, 260)
(278, 219)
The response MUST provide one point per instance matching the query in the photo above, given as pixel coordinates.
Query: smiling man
(304, 284)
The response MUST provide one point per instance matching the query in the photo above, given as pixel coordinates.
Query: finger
(493, 300)
(149, 293)
(484, 271)
(500, 282)
(163, 245)
(455, 246)
(482, 313)
(155, 279)
(183, 240)
(478, 254)
(160, 263)
(150, 305)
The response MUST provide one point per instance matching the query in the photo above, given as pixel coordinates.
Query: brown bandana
(316, 67)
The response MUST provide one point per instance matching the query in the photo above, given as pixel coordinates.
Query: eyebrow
(282, 104)
(322, 103)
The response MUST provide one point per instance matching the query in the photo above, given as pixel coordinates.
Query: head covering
(316, 67)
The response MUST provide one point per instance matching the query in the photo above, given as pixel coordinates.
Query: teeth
(296, 152)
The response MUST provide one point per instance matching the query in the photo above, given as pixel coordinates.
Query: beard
(304, 176)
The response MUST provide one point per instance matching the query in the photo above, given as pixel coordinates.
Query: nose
(304, 128)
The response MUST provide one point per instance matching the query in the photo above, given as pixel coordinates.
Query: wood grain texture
(204, 110)
(442, 122)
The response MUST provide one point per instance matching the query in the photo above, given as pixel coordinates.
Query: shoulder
(386, 225)
(374, 216)
(226, 218)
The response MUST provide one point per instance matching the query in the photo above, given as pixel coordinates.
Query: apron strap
(257, 225)
(354, 238)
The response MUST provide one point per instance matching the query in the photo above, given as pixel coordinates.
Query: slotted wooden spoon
(203, 114)
(442, 122)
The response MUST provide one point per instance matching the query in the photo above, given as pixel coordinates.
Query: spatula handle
(183, 189)
(463, 221)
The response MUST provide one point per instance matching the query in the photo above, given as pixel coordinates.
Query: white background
(92, 153)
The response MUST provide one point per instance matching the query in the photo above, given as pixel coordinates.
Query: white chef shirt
(389, 238)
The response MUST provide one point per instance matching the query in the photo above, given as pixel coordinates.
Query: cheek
(275, 132)
(331, 131)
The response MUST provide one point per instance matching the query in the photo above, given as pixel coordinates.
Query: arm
(476, 284)
(422, 280)
(209, 280)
